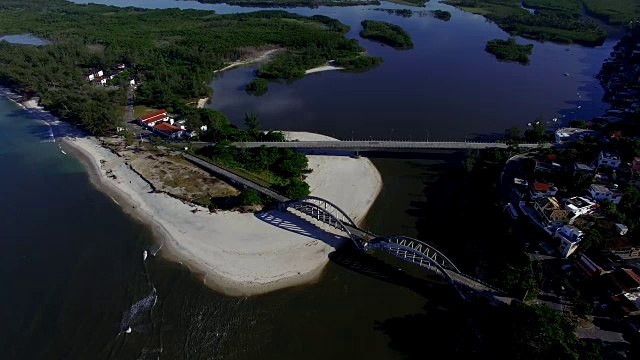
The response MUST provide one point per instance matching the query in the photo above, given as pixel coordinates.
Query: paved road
(384, 145)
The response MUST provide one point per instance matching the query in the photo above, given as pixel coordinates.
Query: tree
(538, 132)
(252, 123)
(292, 164)
(578, 124)
(513, 133)
(249, 197)
(296, 189)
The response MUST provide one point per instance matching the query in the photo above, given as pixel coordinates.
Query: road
(385, 145)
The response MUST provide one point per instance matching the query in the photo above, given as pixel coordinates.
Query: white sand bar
(239, 254)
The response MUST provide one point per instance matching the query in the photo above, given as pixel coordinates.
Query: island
(441, 14)
(509, 50)
(386, 33)
(258, 86)
(558, 21)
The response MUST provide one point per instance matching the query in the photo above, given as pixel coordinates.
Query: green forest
(557, 21)
(509, 50)
(386, 33)
(173, 52)
(292, 3)
(258, 85)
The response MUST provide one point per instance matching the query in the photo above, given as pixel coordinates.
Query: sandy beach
(236, 253)
(328, 67)
(202, 102)
(265, 55)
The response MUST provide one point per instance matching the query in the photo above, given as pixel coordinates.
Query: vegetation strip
(509, 50)
(386, 33)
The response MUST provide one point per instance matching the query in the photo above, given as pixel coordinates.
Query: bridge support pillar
(357, 155)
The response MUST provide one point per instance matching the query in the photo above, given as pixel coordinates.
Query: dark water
(73, 280)
(24, 39)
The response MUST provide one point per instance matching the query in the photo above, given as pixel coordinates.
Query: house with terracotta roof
(169, 130)
(100, 80)
(539, 190)
(550, 213)
(152, 118)
(621, 281)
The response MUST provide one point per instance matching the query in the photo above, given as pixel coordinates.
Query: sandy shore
(262, 57)
(202, 102)
(239, 254)
(328, 67)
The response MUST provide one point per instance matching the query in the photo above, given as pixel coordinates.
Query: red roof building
(152, 118)
(168, 129)
(540, 187)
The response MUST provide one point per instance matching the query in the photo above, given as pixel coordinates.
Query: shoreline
(234, 253)
(262, 56)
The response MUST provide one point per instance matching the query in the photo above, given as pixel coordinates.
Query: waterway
(447, 87)
(72, 269)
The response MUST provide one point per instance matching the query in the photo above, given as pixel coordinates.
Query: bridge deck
(384, 145)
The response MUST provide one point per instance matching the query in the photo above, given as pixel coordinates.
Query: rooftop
(610, 155)
(584, 167)
(540, 187)
(580, 202)
(166, 127)
(619, 243)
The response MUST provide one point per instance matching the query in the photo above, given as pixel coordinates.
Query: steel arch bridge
(405, 248)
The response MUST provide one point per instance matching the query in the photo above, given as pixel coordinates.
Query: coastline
(237, 254)
(265, 55)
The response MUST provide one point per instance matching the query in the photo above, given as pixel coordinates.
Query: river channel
(71, 260)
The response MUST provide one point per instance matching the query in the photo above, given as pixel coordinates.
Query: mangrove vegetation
(556, 21)
(258, 85)
(509, 50)
(386, 33)
(172, 52)
(441, 14)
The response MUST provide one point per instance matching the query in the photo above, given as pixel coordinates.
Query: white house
(569, 237)
(579, 205)
(152, 118)
(100, 80)
(601, 192)
(539, 190)
(608, 158)
(89, 76)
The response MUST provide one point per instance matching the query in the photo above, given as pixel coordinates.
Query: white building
(608, 158)
(600, 192)
(569, 237)
(153, 118)
(579, 206)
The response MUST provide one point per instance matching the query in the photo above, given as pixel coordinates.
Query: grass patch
(140, 110)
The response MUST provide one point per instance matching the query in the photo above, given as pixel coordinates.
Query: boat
(128, 331)
(144, 255)
(555, 119)
(566, 74)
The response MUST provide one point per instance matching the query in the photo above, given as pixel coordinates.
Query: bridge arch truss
(322, 214)
(417, 252)
(330, 208)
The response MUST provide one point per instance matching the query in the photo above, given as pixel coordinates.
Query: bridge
(386, 145)
(405, 248)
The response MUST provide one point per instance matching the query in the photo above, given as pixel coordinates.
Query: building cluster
(99, 77)
(162, 123)
(557, 216)
(621, 286)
